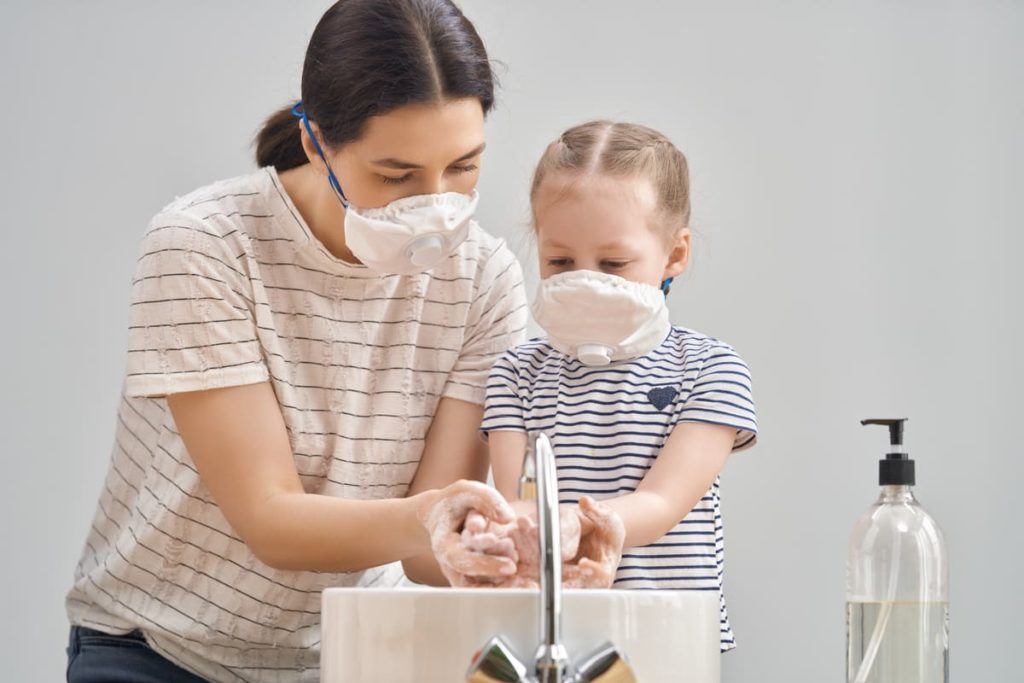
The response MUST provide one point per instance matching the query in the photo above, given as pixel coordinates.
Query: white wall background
(856, 174)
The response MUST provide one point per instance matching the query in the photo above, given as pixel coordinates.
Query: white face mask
(600, 318)
(411, 234)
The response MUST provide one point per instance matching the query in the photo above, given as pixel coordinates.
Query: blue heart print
(662, 396)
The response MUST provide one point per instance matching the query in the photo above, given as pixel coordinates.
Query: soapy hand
(519, 541)
(468, 507)
(525, 533)
(600, 547)
(482, 541)
(592, 537)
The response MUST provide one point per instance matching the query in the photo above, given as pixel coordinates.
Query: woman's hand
(467, 507)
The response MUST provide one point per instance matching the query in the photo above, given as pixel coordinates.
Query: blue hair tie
(299, 112)
(666, 284)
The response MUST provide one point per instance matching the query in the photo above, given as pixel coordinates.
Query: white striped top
(232, 288)
(608, 424)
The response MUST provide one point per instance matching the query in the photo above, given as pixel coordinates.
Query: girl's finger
(470, 563)
(475, 522)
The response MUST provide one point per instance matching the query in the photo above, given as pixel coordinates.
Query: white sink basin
(430, 635)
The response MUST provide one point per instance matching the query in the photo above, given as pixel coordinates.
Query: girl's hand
(524, 535)
(600, 547)
(444, 515)
(491, 538)
(527, 535)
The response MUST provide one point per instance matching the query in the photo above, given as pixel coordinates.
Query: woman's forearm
(424, 569)
(302, 531)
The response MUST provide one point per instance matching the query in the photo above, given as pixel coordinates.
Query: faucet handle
(604, 665)
(496, 663)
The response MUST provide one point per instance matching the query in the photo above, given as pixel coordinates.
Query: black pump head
(897, 469)
(895, 428)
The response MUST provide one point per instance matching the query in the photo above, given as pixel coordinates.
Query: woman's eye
(389, 180)
(466, 168)
(558, 262)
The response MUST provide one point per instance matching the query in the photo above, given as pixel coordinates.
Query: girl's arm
(508, 450)
(684, 470)
(687, 466)
(237, 439)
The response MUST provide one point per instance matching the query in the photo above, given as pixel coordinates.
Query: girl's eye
(388, 180)
(467, 168)
(558, 262)
(615, 265)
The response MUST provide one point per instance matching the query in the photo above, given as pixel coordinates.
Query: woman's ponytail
(278, 143)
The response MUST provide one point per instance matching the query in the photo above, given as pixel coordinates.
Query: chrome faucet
(497, 663)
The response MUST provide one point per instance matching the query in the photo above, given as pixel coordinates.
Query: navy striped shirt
(608, 424)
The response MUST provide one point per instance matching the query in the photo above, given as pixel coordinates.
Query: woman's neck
(319, 207)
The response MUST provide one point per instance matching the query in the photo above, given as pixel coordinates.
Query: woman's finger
(463, 496)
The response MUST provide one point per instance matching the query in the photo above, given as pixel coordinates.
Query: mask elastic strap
(666, 285)
(300, 113)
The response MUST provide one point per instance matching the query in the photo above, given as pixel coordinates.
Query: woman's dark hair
(367, 57)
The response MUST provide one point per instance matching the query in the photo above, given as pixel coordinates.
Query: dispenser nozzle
(895, 426)
(896, 468)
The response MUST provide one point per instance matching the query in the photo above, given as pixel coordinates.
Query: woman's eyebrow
(400, 165)
(476, 151)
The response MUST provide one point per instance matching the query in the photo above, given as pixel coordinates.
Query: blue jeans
(97, 657)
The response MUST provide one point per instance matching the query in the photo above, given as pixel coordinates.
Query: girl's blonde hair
(622, 150)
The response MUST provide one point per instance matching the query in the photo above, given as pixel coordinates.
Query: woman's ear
(310, 149)
(679, 256)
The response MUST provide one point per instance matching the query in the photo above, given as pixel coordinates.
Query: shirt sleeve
(721, 394)
(497, 322)
(503, 408)
(192, 319)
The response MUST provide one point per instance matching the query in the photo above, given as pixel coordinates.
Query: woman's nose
(435, 185)
(431, 188)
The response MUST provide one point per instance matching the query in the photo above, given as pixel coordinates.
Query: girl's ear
(679, 257)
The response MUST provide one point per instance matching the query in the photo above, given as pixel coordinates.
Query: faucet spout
(552, 658)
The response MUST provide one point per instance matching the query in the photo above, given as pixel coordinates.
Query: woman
(308, 352)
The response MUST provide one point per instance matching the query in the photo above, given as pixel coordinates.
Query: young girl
(641, 414)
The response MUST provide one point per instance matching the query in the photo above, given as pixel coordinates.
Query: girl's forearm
(647, 516)
(686, 468)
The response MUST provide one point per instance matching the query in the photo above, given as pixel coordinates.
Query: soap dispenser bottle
(897, 593)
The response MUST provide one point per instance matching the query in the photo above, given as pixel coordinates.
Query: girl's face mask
(601, 318)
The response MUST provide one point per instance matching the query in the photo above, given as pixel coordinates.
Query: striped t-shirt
(232, 288)
(607, 426)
